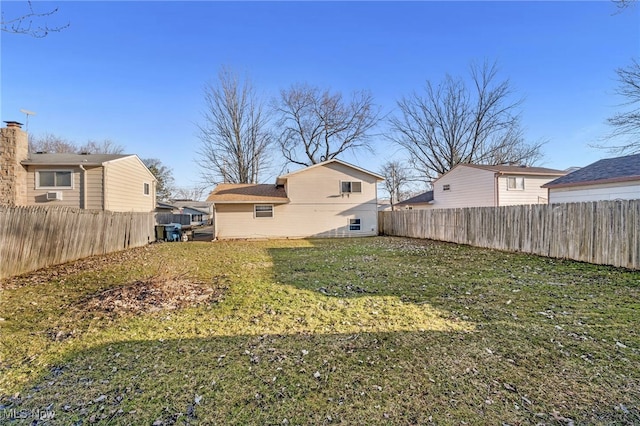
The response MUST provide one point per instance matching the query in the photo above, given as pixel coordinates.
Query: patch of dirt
(151, 295)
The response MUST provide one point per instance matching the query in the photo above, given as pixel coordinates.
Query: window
(354, 224)
(446, 187)
(54, 179)
(147, 190)
(348, 187)
(263, 210)
(515, 183)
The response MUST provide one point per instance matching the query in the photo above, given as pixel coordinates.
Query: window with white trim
(354, 224)
(348, 187)
(58, 179)
(147, 189)
(515, 183)
(262, 210)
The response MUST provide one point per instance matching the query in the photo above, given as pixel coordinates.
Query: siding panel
(124, 183)
(611, 191)
(470, 187)
(532, 193)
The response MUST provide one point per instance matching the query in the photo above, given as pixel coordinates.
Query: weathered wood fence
(164, 218)
(35, 237)
(604, 232)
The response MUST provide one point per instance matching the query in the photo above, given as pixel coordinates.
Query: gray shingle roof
(423, 198)
(608, 170)
(71, 159)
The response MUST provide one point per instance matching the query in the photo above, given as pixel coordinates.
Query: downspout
(104, 187)
(84, 187)
(497, 189)
(215, 222)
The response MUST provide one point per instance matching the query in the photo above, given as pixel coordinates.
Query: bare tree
(624, 4)
(195, 193)
(55, 144)
(626, 124)
(51, 144)
(234, 135)
(396, 178)
(106, 146)
(24, 23)
(319, 125)
(452, 123)
(163, 175)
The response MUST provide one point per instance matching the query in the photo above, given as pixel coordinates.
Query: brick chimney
(14, 148)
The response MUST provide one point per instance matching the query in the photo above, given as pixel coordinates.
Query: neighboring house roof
(423, 198)
(72, 159)
(233, 193)
(55, 159)
(283, 178)
(164, 206)
(192, 204)
(520, 170)
(608, 170)
(197, 211)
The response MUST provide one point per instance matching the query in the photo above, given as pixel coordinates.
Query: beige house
(471, 185)
(328, 199)
(87, 181)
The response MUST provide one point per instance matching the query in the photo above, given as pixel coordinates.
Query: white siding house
(608, 179)
(329, 199)
(471, 185)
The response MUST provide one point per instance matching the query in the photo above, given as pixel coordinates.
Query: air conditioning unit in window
(55, 195)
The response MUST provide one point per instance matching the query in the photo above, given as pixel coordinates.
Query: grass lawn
(352, 331)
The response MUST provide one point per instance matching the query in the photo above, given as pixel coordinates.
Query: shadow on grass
(373, 378)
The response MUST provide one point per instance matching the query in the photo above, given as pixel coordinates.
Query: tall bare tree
(626, 124)
(318, 125)
(55, 144)
(396, 178)
(195, 193)
(30, 22)
(51, 144)
(455, 122)
(106, 146)
(234, 134)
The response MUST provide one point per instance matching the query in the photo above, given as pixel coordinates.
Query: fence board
(603, 232)
(36, 237)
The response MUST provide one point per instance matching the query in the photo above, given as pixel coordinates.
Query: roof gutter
(83, 187)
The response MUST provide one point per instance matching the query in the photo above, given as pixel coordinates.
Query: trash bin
(160, 234)
(173, 232)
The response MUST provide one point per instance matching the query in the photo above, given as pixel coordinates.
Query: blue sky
(134, 72)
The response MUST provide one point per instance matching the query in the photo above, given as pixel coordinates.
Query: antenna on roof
(27, 113)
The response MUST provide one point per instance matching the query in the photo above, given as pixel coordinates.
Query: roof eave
(251, 201)
(592, 182)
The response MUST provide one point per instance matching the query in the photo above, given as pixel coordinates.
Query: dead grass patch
(156, 293)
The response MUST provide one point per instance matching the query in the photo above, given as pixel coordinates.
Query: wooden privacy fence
(36, 237)
(164, 218)
(603, 232)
